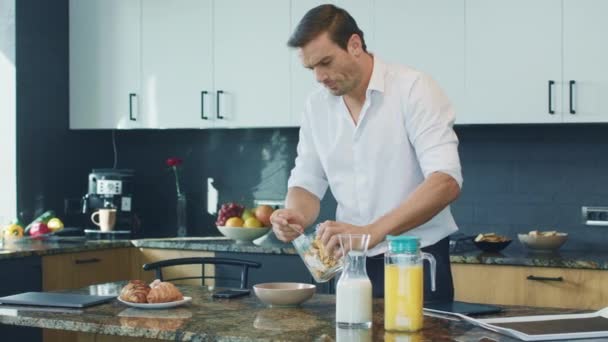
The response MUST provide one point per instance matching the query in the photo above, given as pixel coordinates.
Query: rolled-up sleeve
(429, 120)
(308, 171)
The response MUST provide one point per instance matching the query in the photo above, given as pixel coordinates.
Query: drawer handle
(531, 277)
(86, 261)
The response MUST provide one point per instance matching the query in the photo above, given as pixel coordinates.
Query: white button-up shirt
(403, 135)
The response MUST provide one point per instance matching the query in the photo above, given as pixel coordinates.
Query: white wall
(8, 138)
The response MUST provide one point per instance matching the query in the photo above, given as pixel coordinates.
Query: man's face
(333, 66)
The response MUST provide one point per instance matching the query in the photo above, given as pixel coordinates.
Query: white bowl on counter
(284, 294)
(543, 243)
(243, 235)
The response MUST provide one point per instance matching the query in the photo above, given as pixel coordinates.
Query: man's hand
(329, 231)
(287, 224)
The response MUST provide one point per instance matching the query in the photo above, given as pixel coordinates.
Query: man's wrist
(375, 232)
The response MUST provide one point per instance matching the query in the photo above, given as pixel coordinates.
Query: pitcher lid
(403, 243)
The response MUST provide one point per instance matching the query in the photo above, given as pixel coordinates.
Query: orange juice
(403, 297)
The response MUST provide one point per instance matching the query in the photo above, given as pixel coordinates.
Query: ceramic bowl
(284, 294)
(543, 243)
(243, 235)
(492, 247)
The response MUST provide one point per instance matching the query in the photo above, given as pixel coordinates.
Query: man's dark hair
(326, 18)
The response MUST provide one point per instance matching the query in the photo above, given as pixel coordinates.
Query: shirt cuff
(314, 186)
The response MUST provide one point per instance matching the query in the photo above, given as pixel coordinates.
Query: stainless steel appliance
(112, 188)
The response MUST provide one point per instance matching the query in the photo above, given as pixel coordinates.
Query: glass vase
(182, 214)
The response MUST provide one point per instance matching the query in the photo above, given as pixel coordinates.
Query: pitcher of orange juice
(403, 287)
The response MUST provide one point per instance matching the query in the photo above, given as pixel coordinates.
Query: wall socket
(595, 216)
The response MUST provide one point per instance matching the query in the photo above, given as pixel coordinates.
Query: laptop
(64, 300)
(468, 309)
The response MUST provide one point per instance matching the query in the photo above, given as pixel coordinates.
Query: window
(8, 135)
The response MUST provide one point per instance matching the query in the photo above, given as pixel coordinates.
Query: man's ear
(354, 45)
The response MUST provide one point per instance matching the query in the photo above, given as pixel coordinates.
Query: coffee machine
(112, 188)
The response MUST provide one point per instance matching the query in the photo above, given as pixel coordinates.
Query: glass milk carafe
(354, 289)
(403, 283)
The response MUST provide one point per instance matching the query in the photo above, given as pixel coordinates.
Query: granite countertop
(518, 255)
(218, 244)
(515, 254)
(24, 248)
(241, 319)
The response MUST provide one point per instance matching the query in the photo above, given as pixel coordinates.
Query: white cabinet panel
(177, 63)
(105, 62)
(586, 60)
(513, 49)
(251, 62)
(428, 36)
(302, 80)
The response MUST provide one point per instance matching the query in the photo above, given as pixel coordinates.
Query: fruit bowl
(543, 243)
(243, 235)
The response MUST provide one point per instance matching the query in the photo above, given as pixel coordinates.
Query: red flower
(174, 161)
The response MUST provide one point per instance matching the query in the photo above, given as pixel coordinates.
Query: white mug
(107, 219)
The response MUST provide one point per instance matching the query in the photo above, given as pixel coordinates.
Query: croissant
(163, 292)
(136, 291)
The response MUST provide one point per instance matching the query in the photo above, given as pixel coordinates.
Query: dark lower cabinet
(16, 276)
(275, 268)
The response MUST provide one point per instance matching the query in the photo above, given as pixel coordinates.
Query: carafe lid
(403, 243)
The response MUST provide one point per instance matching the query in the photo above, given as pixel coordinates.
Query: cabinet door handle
(531, 277)
(86, 261)
(572, 83)
(551, 83)
(131, 117)
(217, 104)
(203, 94)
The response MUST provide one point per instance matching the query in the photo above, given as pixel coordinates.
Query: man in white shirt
(381, 137)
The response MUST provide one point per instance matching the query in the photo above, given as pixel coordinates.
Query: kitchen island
(568, 278)
(242, 319)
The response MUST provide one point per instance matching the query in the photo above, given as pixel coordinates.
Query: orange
(234, 222)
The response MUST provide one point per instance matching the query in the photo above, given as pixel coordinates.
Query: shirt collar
(376, 81)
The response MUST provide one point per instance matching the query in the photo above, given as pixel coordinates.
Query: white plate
(157, 305)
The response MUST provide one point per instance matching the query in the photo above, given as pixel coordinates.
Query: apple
(248, 213)
(262, 213)
(39, 228)
(55, 224)
(252, 222)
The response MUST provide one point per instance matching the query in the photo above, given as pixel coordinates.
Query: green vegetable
(45, 217)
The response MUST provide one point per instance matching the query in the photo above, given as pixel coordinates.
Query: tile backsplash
(521, 178)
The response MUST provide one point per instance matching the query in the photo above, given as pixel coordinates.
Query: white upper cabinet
(303, 82)
(226, 64)
(105, 64)
(177, 73)
(251, 63)
(427, 36)
(513, 51)
(585, 61)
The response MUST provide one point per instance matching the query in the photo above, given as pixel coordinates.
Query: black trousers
(444, 288)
